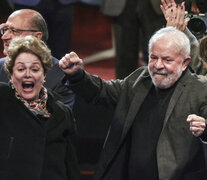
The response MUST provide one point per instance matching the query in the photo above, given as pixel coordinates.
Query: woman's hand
(70, 63)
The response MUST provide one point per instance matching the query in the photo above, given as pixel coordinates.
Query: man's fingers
(197, 133)
(164, 4)
(198, 124)
(63, 64)
(192, 117)
(196, 129)
(70, 63)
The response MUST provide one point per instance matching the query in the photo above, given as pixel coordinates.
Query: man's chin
(160, 84)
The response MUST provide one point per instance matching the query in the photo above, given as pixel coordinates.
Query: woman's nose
(27, 73)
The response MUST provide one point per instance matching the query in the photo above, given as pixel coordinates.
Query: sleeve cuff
(73, 78)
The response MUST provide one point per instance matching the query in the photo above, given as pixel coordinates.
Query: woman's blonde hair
(29, 44)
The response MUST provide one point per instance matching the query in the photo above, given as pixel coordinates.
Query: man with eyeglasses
(29, 22)
(16, 31)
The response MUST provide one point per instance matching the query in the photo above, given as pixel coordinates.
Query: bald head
(33, 20)
(24, 13)
(22, 23)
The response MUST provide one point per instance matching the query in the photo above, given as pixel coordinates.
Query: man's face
(165, 63)
(16, 21)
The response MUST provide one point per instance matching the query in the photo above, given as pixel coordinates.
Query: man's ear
(186, 62)
(38, 35)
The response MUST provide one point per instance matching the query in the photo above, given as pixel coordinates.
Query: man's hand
(174, 14)
(70, 63)
(197, 124)
(167, 7)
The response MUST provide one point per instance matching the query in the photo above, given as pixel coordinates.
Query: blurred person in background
(134, 22)
(203, 55)
(35, 127)
(196, 6)
(59, 17)
(203, 48)
(130, 19)
(30, 22)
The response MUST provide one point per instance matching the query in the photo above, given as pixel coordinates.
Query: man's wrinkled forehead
(18, 20)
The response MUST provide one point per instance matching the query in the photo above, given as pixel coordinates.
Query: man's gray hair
(180, 40)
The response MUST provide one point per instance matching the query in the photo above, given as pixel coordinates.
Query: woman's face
(28, 76)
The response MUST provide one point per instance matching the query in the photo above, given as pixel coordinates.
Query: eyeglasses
(16, 31)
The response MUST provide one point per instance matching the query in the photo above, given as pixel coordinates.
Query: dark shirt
(145, 133)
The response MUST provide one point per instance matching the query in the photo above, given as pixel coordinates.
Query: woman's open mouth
(27, 85)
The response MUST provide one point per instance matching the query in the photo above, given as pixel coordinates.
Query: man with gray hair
(152, 136)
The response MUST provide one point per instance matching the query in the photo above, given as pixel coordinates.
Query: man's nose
(159, 64)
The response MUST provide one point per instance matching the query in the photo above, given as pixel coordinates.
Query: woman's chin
(28, 97)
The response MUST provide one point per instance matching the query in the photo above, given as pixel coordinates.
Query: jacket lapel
(119, 131)
(178, 91)
(57, 115)
(171, 163)
(140, 92)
